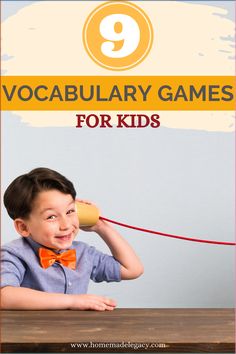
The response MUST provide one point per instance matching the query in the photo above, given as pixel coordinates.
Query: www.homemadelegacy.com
(118, 345)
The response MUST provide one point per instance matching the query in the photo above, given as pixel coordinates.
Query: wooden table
(122, 330)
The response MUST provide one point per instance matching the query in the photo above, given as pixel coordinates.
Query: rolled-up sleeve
(105, 267)
(12, 269)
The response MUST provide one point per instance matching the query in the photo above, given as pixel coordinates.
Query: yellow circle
(121, 20)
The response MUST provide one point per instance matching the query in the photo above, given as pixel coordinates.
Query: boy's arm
(17, 298)
(131, 266)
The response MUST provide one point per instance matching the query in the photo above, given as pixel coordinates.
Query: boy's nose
(64, 224)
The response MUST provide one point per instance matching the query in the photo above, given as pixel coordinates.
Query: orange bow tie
(48, 258)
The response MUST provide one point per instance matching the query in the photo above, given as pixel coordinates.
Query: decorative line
(167, 235)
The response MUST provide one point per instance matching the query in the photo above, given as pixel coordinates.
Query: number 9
(129, 35)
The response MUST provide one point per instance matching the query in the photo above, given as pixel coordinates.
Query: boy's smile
(53, 221)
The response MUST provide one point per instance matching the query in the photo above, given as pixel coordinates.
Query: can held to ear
(88, 214)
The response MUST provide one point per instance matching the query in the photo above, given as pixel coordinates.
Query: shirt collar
(35, 246)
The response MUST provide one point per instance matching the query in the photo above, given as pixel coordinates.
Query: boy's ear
(21, 227)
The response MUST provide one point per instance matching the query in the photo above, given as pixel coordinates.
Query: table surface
(121, 330)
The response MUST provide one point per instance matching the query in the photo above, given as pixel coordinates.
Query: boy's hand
(98, 227)
(130, 265)
(20, 298)
(91, 302)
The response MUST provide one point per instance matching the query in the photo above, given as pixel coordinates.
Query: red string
(167, 235)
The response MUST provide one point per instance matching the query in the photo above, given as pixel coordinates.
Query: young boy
(46, 269)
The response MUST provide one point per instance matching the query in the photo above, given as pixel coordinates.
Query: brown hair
(21, 193)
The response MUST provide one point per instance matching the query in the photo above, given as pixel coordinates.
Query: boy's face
(53, 221)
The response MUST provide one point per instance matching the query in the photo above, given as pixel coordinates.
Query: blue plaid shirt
(20, 267)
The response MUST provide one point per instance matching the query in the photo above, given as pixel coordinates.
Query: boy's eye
(51, 217)
(71, 211)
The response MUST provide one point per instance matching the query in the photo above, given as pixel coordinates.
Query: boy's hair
(21, 193)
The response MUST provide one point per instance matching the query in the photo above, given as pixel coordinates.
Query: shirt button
(69, 283)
